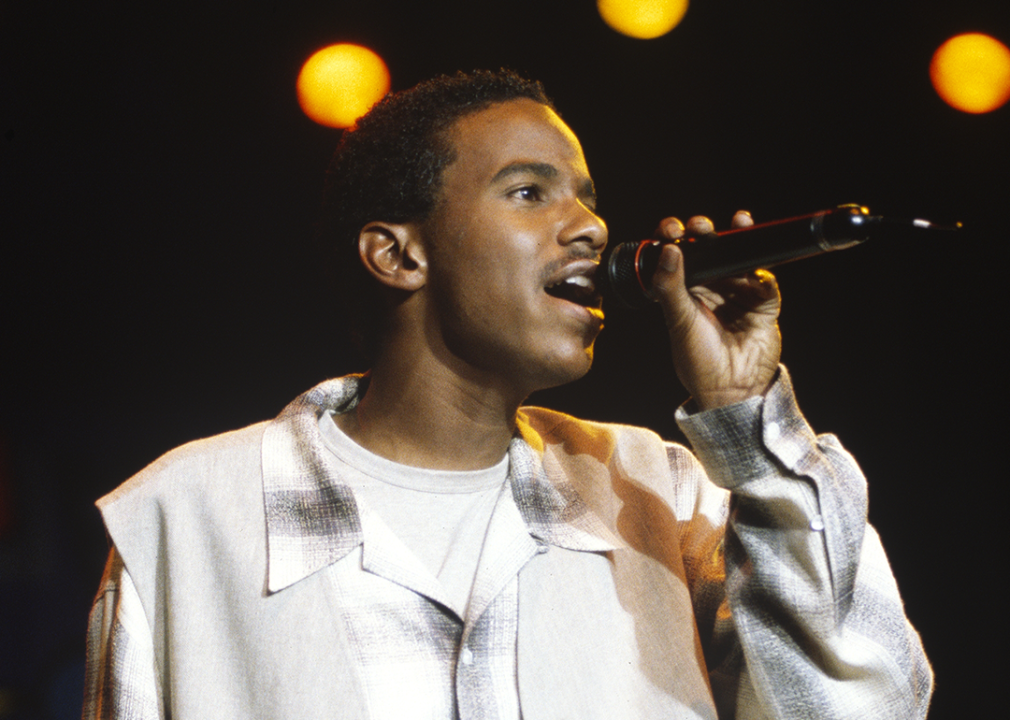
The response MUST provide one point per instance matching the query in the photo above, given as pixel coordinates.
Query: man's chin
(567, 370)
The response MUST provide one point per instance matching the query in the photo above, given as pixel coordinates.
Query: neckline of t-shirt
(407, 476)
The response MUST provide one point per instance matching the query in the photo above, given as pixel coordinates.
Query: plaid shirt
(841, 648)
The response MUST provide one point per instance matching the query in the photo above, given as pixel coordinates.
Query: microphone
(627, 273)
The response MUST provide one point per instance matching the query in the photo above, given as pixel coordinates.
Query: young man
(413, 543)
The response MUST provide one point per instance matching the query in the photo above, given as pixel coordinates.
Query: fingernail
(744, 212)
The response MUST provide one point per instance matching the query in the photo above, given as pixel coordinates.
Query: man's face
(511, 244)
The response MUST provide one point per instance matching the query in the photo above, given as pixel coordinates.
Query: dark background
(160, 183)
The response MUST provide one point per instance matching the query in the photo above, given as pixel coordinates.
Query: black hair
(388, 168)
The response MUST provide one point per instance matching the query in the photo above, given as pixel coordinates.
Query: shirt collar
(551, 507)
(313, 520)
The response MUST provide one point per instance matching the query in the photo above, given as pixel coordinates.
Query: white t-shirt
(442, 516)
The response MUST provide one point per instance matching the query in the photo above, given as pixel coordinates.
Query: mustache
(573, 255)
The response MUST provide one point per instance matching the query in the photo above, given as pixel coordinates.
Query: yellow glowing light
(643, 19)
(339, 83)
(971, 72)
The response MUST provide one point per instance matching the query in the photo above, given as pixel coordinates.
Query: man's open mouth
(579, 289)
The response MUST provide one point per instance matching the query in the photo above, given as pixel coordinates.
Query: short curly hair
(389, 167)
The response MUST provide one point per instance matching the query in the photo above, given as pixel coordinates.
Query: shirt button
(772, 431)
(466, 656)
(542, 549)
(817, 523)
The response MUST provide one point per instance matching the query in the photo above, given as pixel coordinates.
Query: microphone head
(619, 276)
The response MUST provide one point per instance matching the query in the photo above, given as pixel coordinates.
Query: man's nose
(587, 227)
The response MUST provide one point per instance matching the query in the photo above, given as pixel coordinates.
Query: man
(415, 544)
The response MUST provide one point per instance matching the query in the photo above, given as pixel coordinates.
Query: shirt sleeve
(809, 622)
(121, 678)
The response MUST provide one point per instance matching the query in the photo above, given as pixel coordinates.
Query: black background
(159, 283)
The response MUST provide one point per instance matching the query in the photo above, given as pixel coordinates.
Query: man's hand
(724, 336)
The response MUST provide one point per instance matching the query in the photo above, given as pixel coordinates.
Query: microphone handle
(710, 257)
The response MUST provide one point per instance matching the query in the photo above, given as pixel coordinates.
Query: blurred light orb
(339, 83)
(971, 72)
(644, 19)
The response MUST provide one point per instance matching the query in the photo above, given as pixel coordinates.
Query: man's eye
(528, 192)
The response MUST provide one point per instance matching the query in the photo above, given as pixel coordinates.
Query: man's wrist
(721, 398)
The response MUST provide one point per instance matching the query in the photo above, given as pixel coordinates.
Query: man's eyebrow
(542, 170)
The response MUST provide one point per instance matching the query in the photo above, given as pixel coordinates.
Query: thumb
(668, 285)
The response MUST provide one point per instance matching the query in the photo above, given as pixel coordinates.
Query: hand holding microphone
(724, 334)
(724, 337)
(710, 256)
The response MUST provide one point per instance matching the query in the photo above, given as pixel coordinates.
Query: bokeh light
(971, 72)
(339, 83)
(643, 19)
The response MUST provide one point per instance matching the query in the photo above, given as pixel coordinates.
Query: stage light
(339, 83)
(971, 72)
(643, 19)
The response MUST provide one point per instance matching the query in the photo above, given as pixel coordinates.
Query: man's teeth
(575, 281)
(577, 288)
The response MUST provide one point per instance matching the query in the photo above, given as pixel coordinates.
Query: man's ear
(393, 254)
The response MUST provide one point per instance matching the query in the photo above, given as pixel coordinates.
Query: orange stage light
(339, 83)
(643, 19)
(971, 72)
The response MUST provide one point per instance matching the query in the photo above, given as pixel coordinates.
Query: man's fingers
(741, 219)
(752, 290)
(668, 282)
(669, 228)
(700, 225)
(668, 279)
(672, 228)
